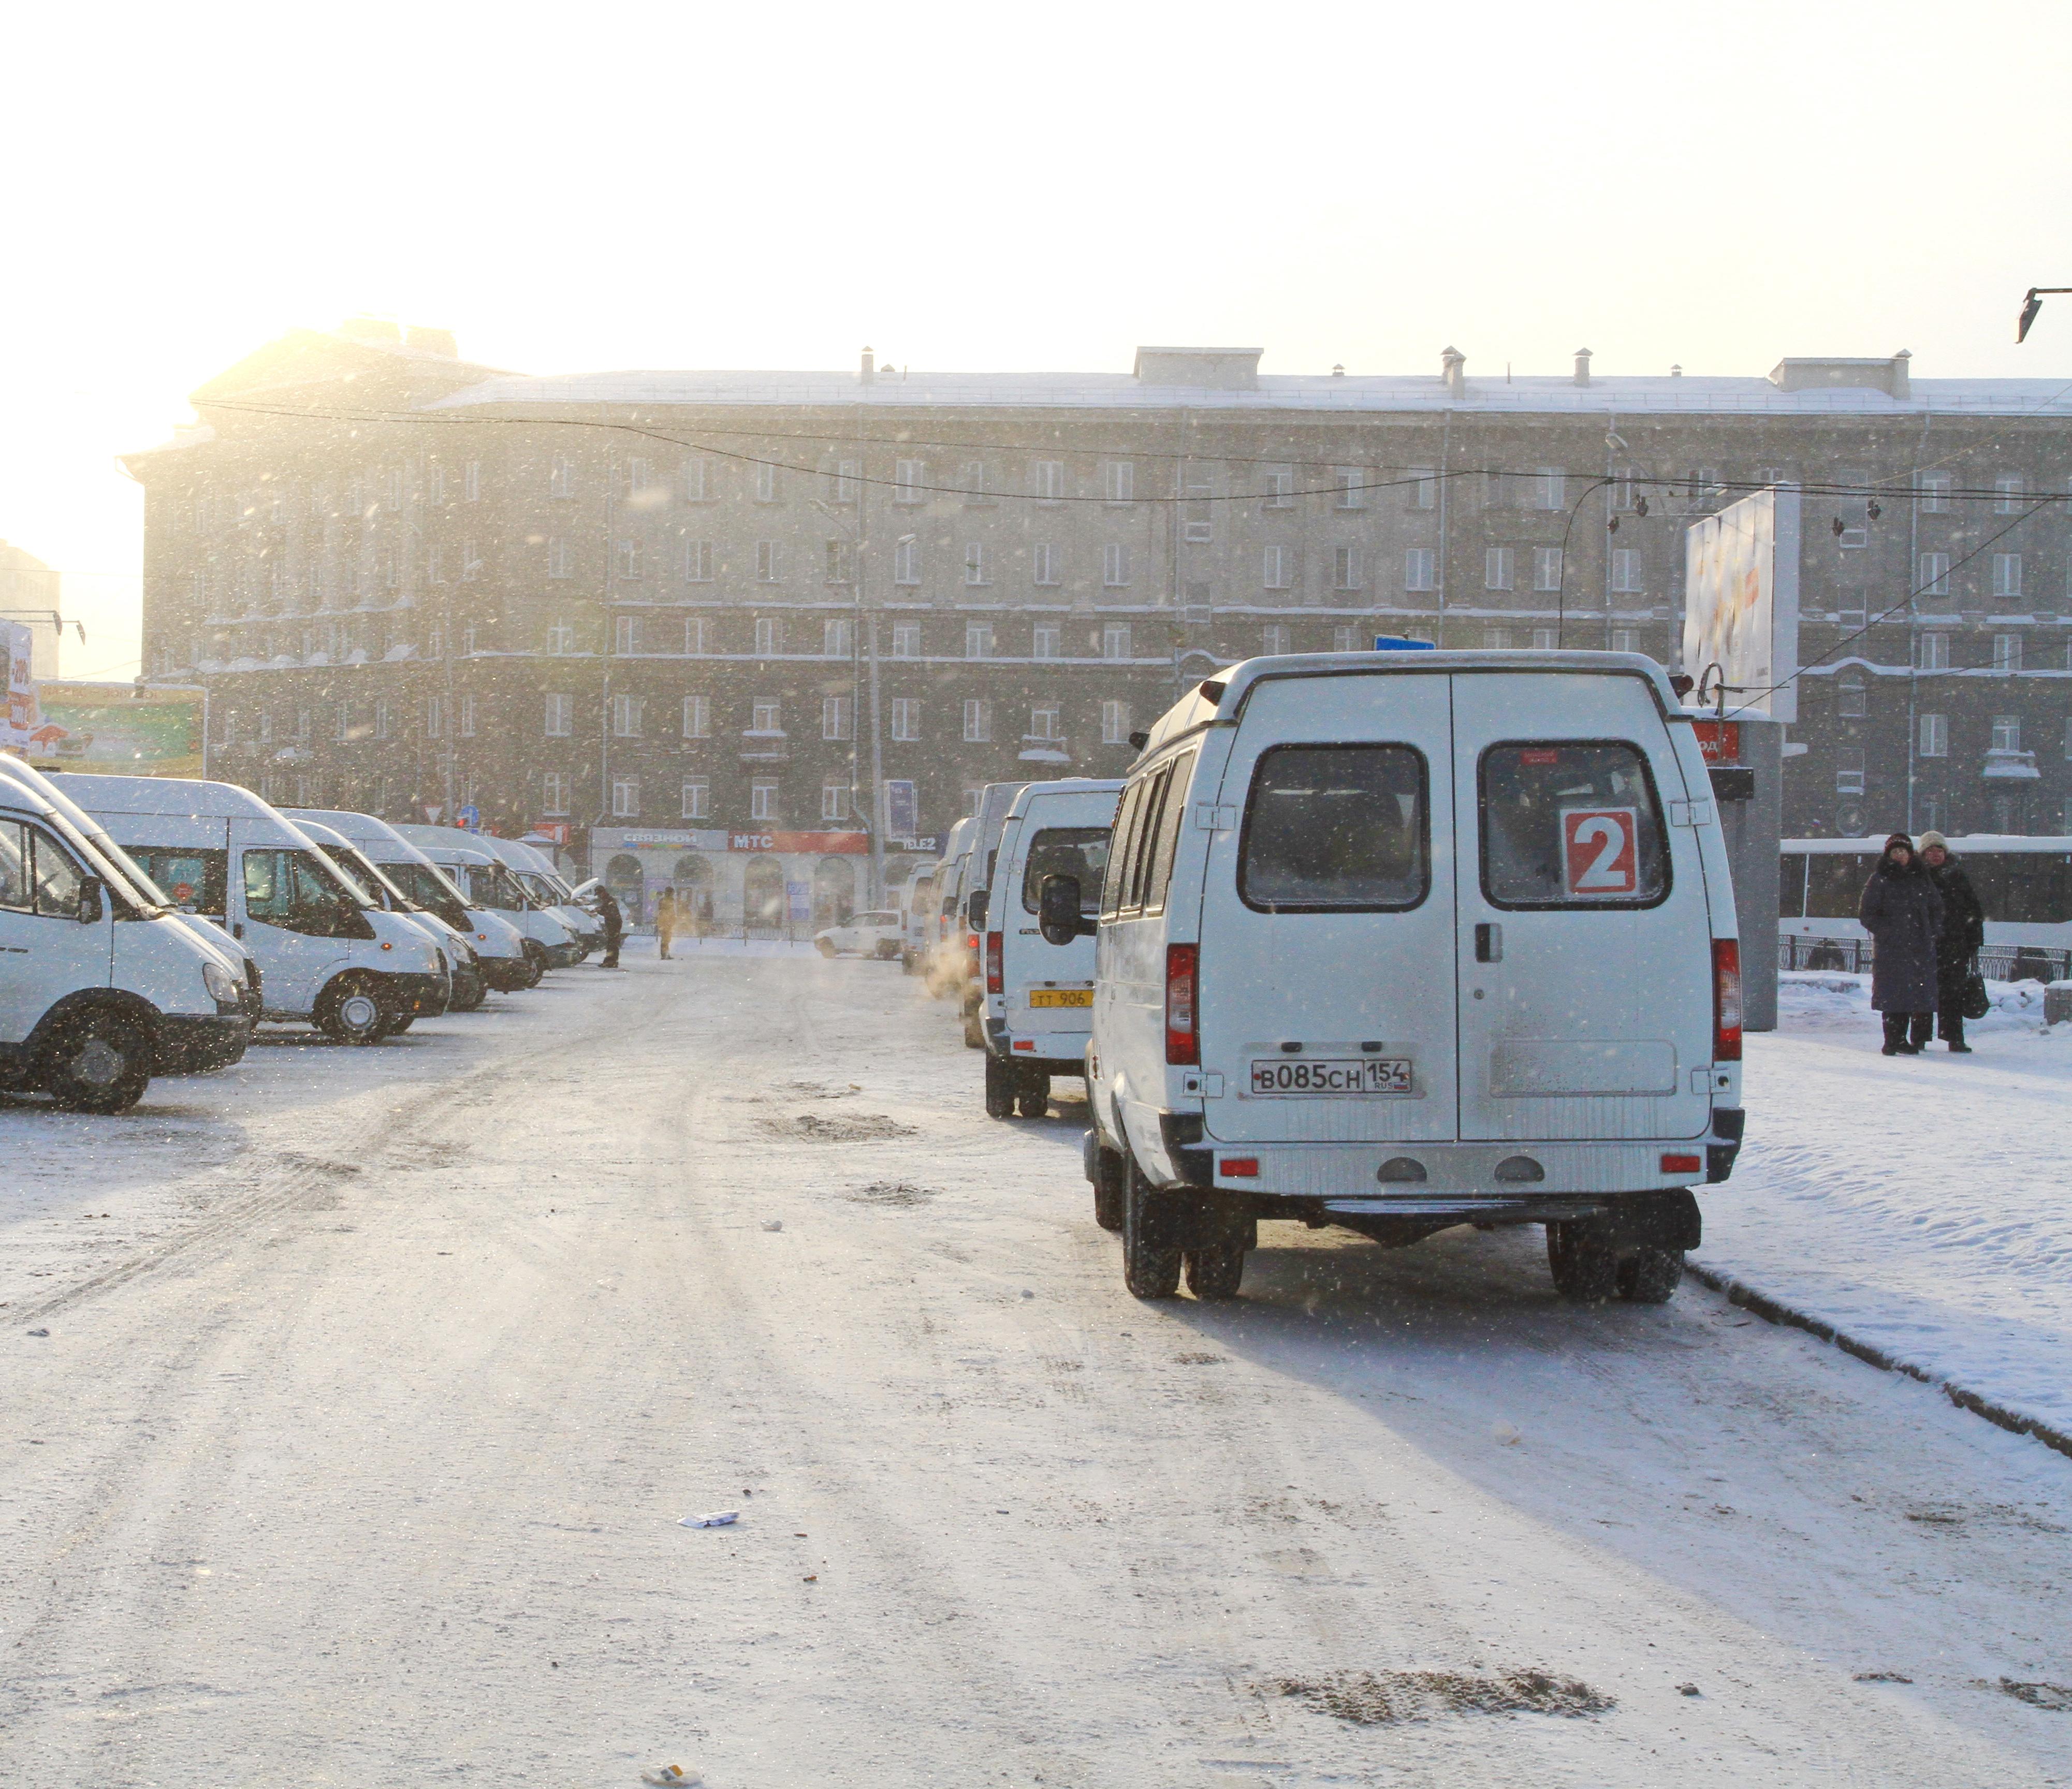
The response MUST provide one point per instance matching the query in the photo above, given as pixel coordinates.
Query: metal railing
(1998, 962)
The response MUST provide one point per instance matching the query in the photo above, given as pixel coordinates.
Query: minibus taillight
(994, 972)
(1183, 1040)
(1726, 1000)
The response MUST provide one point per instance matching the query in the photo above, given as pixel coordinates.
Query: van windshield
(424, 884)
(1571, 823)
(1080, 851)
(193, 881)
(1337, 829)
(495, 888)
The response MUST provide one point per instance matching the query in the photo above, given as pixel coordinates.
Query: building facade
(736, 603)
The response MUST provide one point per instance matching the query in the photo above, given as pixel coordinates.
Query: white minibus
(101, 985)
(329, 955)
(491, 883)
(947, 966)
(468, 987)
(1039, 997)
(549, 888)
(917, 913)
(1403, 940)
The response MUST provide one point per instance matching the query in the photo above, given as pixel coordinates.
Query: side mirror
(1058, 915)
(977, 911)
(91, 904)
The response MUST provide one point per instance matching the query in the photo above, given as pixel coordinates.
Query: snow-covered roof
(915, 389)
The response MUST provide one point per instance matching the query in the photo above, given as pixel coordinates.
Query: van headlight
(221, 984)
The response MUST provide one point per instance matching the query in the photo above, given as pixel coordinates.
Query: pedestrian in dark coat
(614, 927)
(1957, 945)
(1903, 913)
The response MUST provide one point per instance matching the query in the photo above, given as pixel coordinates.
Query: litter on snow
(670, 1772)
(718, 1519)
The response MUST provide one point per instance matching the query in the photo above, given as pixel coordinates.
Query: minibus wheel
(353, 1011)
(1034, 1096)
(999, 1089)
(1650, 1275)
(535, 962)
(469, 991)
(98, 1062)
(1150, 1249)
(1214, 1273)
(1110, 1173)
(1583, 1260)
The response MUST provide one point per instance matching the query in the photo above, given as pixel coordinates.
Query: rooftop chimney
(869, 366)
(1582, 366)
(1452, 372)
(1338, 371)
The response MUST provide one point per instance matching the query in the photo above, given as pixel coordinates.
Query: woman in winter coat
(1903, 913)
(1964, 931)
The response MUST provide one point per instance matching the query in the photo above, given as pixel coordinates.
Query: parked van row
(1395, 941)
(325, 917)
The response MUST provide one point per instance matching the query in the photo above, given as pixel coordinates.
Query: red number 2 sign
(1598, 852)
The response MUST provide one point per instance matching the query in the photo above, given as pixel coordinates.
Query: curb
(1740, 1292)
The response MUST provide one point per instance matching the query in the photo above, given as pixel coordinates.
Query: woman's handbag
(1976, 1002)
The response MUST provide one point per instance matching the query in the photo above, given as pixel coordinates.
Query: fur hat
(1933, 837)
(1897, 838)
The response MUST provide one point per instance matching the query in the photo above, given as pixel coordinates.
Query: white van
(102, 986)
(498, 946)
(1039, 997)
(995, 802)
(1405, 940)
(917, 917)
(549, 888)
(329, 955)
(469, 988)
(491, 883)
(948, 961)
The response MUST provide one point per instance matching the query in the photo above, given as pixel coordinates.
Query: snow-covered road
(354, 1453)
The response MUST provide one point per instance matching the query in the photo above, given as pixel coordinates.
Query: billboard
(1740, 600)
(18, 719)
(118, 731)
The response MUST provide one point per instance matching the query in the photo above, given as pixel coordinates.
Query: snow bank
(1917, 1203)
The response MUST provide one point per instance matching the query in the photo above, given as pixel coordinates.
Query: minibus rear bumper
(1024, 1052)
(193, 1044)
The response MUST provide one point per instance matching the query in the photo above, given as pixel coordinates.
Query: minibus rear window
(1571, 823)
(193, 881)
(1080, 851)
(1337, 829)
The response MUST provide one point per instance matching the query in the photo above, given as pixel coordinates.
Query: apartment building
(729, 605)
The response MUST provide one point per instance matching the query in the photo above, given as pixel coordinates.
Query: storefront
(773, 884)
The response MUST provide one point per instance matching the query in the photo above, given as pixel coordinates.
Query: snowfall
(353, 1401)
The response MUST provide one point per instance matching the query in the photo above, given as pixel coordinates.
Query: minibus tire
(1584, 1261)
(98, 1062)
(1214, 1274)
(353, 1010)
(1034, 1098)
(469, 991)
(974, 1034)
(1650, 1275)
(999, 1089)
(535, 962)
(1150, 1252)
(1110, 1172)
(826, 946)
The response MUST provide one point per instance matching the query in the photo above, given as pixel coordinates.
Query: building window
(1496, 568)
(1046, 641)
(975, 564)
(838, 639)
(906, 639)
(557, 558)
(471, 483)
(834, 717)
(2068, 736)
(972, 480)
(1276, 638)
(561, 477)
(834, 801)
(697, 634)
(1625, 639)
(1551, 488)
(1546, 639)
(1115, 722)
(626, 634)
(435, 718)
(906, 563)
(1932, 652)
(553, 793)
(561, 717)
(626, 716)
(1352, 481)
(2006, 574)
(698, 562)
(978, 639)
(1932, 574)
(560, 635)
(2007, 652)
(693, 477)
(1424, 487)
(766, 636)
(1345, 568)
(1345, 639)
(471, 560)
(1849, 770)
(2007, 494)
(767, 570)
(1277, 567)
(467, 715)
(978, 720)
(1496, 639)
(392, 494)
(1936, 736)
(1417, 569)
(840, 562)
(1043, 723)
(1119, 481)
(905, 718)
(908, 476)
(1934, 488)
(766, 483)
(698, 798)
(2007, 732)
(625, 797)
(762, 801)
(435, 565)
(1546, 568)
(1115, 567)
(1278, 484)
(380, 723)
(849, 479)
(765, 718)
(1114, 641)
(697, 717)
(1626, 570)
(1043, 564)
(1047, 481)
(1852, 699)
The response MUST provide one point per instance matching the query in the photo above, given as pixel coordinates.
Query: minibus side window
(1571, 823)
(1791, 885)
(14, 882)
(1834, 883)
(1112, 890)
(287, 888)
(1167, 842)
(1337, 829)
(58, 879)
(1136, 872)
(1080, 851)
(194, 881)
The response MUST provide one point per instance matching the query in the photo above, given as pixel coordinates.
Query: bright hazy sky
(687, 185)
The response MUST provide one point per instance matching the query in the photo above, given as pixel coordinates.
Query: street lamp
(2030, 305)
